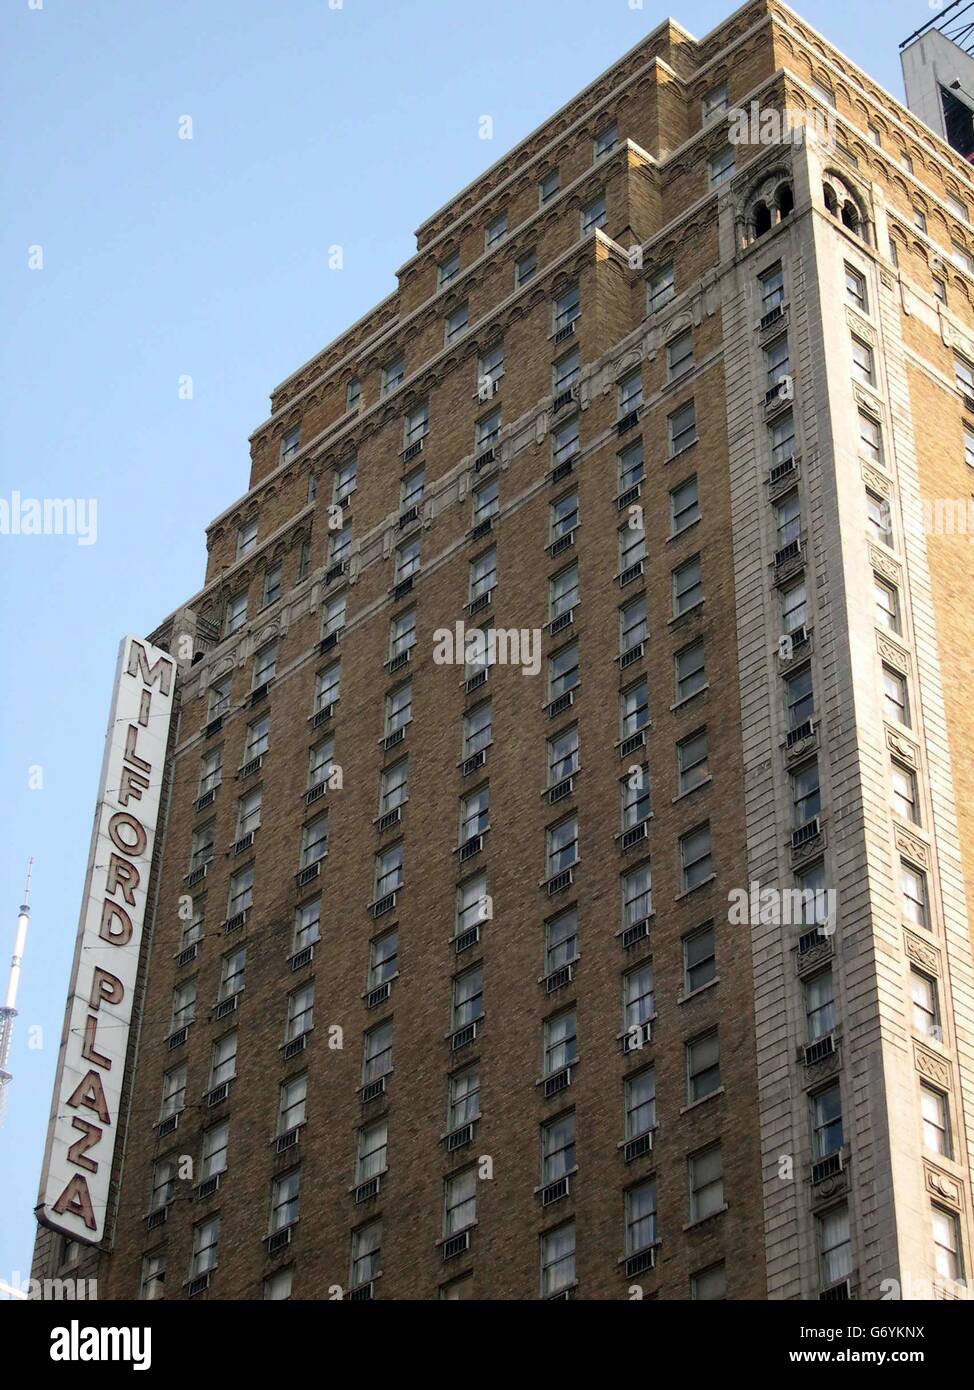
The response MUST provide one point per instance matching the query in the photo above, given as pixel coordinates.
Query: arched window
(831, 199)
(785, 200)
(762, 219)
(851, 218)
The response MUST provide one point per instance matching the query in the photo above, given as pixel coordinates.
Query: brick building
(446, 989)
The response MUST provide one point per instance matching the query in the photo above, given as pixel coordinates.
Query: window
(333, 617)
(345, 483)
(393, 374)
(258, 738)
(640, 1094)
(377, 1052)
(855, 289)
(232, 969)
(205, 1238)
(448, 269)
(477, 729)
(370, 1159)
(211, 771)
(417, 425)
(926, 1010)
(314, 841)
(223, 1060)
(935, 1118)
(393, 784)
(687, 586)
(561, 846)
(399, 708)
(660, 289)
(794, 608)
(939, 289)
(277, 1286)
(548, 186)
(896, 698)
(557, 1148)
(706, 1172)
(459, 1202)
(564, 372)
(562, 756)
(307, 924)
(353, 394)
(328, 686)
(402, 633)
(561, 940)
(635, 798)
(304, 560)
(236, 613)
(631, 469)
(963, 375)
(594, 215)
(691, 675)
(366, 1254)
(525, 267)
(679, 355)
(563, 592)
(565, 441)
(806, 796)
(879, 519)
(463, 1098)
(173, 1091)
(563, 515)
(483, 574)
(247, 537)
(699, 959)
(714, 102)
(265, 664)
(781, 435)
(637, 896)
(605, 141)
(485, 501)
(777, 362)
(709, 1285)
(819, 996)
(213, 1158)
(383, 958)
(468, 997)
(472, 904)
(388, 871)
(887, 608)
(913, 899)
(567, 308)
(827, 1121)
(300, 1012)
(183, 1005)
(946, 1244)
(163, 1183)
(788, 520)
(703, 1067)
(632, 549)
(495, 231)
(863, 368)
(799, 697)
(632, 625)
(272, 586)
(772, 285)
(248, 812)
(696, 863)
(411, 490)
(638, 999)
(633, 709)
(218, 697)
(563, 671)
(487, 431)
(961, 258)
(969, 446)
(870, 442)
(153, 1282)
(558, 1260)
(958, 208)
(682, 428)
(919, 219)
(904, 798)
(201, 849)
(834, 1246)
(722, 166)
(629, 393)
(192, 931)
(490, 370)
(456, 323)
(407, 560)
(560, 1042)
(290, 442)
(876, 136)
(474, 814)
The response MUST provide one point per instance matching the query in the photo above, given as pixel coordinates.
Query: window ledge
(679, 704)
(680, 617)
(685, 530)
(689, 892)
(685, 450)
(702, 1220)
(695, 1105)
(701, 989)
(681, 796)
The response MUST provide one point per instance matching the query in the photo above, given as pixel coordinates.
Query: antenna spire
(8, 1011)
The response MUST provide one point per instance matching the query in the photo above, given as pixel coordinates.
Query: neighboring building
(938, 74)
(450, 991)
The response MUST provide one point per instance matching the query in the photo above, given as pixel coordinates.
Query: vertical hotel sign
(85, 1116)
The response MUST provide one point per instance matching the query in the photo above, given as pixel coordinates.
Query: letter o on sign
(123, 823)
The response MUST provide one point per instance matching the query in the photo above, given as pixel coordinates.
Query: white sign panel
(87, 1092)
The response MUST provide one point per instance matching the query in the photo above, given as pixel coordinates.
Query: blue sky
(165, 258)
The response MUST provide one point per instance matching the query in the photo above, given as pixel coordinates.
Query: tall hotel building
(479, 974)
